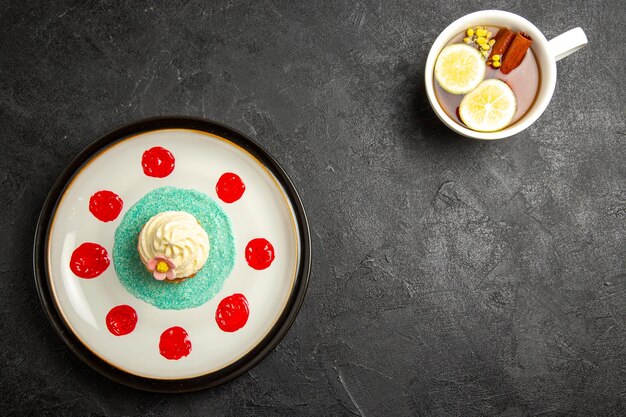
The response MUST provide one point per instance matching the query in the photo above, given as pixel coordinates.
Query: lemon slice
(489, 107)
(459, 68)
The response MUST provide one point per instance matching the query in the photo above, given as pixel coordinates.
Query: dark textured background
(450, 276)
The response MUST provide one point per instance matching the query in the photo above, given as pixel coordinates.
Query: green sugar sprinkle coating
(192, 292)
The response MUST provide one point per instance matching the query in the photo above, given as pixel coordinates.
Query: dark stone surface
(450, 277)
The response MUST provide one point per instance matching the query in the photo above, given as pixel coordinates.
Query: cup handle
(567, 43)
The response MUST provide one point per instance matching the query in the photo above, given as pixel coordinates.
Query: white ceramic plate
(269, 208)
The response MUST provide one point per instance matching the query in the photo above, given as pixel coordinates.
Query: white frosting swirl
(177, 236)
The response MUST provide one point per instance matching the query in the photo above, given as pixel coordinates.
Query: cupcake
(173, 246)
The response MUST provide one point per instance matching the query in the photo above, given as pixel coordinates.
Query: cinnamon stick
(503, 39)
(516, 52)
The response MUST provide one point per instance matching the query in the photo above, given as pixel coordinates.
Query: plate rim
(212, 379)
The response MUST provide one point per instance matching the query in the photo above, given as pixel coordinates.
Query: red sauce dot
(157, 162)
(259, 253)
(89, 260)
(230, 188)
(105, 205)
(121, 320)
(175, 343)
(232, 313)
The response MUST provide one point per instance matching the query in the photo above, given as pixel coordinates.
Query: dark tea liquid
(523, 80)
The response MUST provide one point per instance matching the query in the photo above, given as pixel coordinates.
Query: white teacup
(546, 53)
